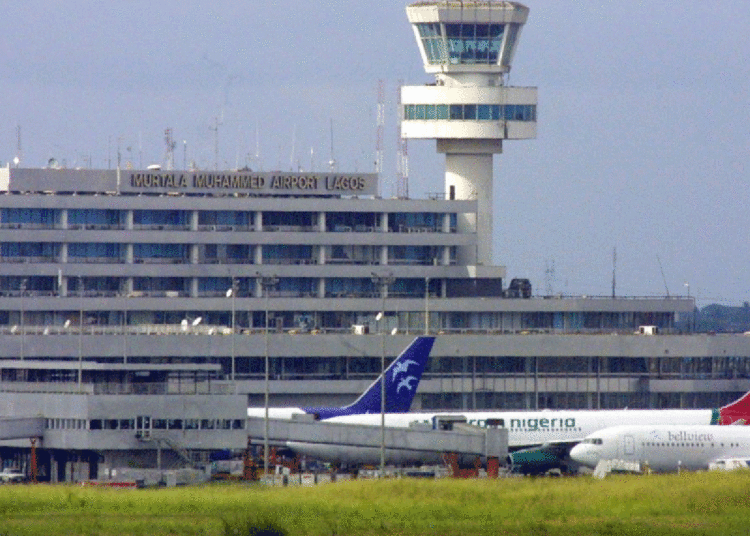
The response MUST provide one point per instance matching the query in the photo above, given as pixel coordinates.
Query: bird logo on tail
(405, 383)
(403, 366)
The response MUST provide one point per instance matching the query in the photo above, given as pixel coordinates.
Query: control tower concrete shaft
(469, 47)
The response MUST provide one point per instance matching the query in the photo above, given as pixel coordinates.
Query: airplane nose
(584, 455)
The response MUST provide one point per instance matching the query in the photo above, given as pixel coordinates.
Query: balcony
(24, 259)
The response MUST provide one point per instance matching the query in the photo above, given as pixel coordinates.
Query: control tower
(469, 46)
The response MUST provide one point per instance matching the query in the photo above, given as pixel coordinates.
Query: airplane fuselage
(527, 428)
(664, 448)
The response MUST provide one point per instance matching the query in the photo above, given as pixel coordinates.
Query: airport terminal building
(128, 298)
(157, 281)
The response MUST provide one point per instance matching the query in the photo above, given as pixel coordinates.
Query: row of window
(168, 424)
(470, 112)
(574, 400)
(671, 444)
(344, 368)
(156, 424)
(219, 219)
(218, 254)
(468, 43)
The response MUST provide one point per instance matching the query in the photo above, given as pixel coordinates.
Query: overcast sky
(643, 133)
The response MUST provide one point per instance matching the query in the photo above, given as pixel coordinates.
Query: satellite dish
(154, 167)
(16, 161)
(229, 293)
(67, 323)
(394, 331)
(197, 321)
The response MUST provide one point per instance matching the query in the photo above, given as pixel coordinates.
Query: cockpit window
(593, 441)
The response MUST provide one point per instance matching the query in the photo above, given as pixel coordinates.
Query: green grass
(705, 503)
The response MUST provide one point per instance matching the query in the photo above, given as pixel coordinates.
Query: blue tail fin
(402, 379)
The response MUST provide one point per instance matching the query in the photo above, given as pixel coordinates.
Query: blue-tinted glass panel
(239, 252)
(94, 250)
(214, 284)
(455, 49)
(470, 112)
(496, 41)
(287, 254)
(160, 251)
(163, 284)
(93, 217)
(160, 217)
(432, 41)
(224, 218)
(29, 249)
(432, 48)
(474, 43)
(510, 44)
(453, 31)
(36, 216)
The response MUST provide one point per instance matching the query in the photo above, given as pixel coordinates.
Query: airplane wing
(538, 459)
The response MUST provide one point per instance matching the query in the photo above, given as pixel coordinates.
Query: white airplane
(8, 475)
(665, 448)
(402, 379)
(538, 440)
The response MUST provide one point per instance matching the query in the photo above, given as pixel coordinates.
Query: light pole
(231, 293)
(23, 320)
(80, 333)
(426, 305)
(383, 282)
(267, 283)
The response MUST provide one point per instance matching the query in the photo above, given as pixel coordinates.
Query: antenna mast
(332, 161)
(381, 126)
(19, 152)
(614, 269)
(662, 275)
(215, 129)
(402, 153)
(294, 148)
(549, 277)
(170, 145)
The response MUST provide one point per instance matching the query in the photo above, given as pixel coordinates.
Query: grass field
(704, 503)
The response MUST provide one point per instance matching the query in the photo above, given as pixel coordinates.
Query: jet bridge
(353, 443)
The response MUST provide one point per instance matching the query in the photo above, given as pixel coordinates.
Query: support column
(469, 176)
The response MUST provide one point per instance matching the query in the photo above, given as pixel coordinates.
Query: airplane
(8, 475)
(538, 440)
(665, 448)
(402, 379)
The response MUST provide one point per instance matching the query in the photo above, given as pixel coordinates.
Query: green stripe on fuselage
(715, 416)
